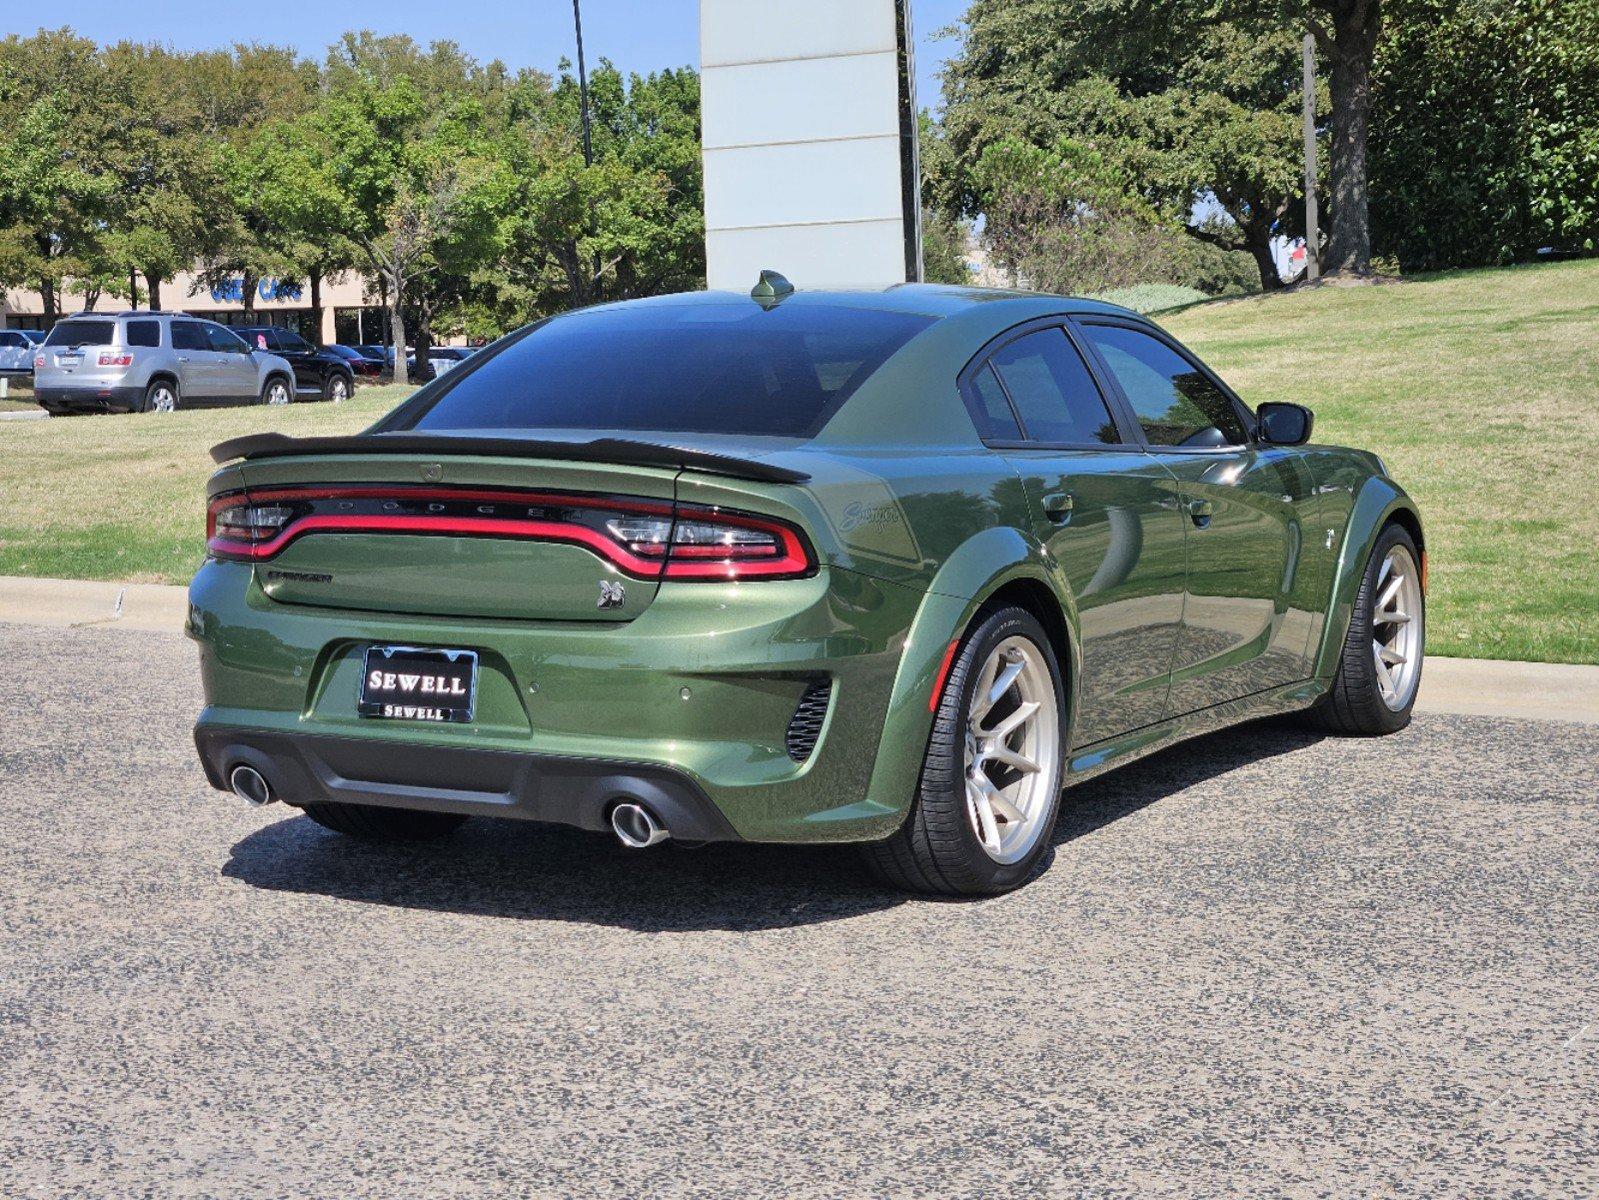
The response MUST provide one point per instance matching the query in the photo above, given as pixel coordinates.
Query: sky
(637, 35)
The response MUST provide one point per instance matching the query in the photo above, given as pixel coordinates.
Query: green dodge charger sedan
(891, 568)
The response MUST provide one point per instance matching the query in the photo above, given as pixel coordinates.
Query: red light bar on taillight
(647, 539)
(112, 359)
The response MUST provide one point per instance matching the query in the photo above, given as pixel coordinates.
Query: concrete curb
(1467, 686)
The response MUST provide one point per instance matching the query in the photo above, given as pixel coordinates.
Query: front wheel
(336, 390)
(1379, 670)
(371, 823)
(990, 784)
(275, 392)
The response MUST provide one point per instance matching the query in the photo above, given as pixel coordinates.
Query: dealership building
(350, 313)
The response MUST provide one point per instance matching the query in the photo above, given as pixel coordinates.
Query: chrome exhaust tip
(250, 785)
(635, 826)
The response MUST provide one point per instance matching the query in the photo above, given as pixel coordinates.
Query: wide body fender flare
(1378, 501)
(968, 579)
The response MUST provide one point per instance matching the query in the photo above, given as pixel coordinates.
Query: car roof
(925, 299)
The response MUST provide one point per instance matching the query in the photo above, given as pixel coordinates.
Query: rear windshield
(699, 368)
(82, 333)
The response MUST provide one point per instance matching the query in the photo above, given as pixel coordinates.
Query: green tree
(1196, 113)
(413, 178)
(57, 185)
(1485, 132)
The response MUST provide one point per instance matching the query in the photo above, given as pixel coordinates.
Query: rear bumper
(460, 779)
(92, 399)
(694, 697)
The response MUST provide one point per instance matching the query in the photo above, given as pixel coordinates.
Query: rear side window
(142, 333)
(1175, 402)
(692, 368)
(187, 335)
(82, 333)
(1054, 395)
(224, 340)
(993, 408)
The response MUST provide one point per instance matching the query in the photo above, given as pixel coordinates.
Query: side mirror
(1284, 424)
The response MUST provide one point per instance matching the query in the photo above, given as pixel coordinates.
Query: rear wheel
(160, 397)
(276, 391)
(1379, 671)
(337, 389)
(374, 824)
(990, 783)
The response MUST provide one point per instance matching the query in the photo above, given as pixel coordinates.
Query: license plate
(68, 360)
(410, 683)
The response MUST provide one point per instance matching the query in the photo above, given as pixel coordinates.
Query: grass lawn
(19, 396)
(1481, 391)
(123, 497)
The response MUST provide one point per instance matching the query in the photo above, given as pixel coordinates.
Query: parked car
(318, 372)
(152, 362)
(440, 360)
(363, 366)
(888, 568)
(381, 354)
(17, 350)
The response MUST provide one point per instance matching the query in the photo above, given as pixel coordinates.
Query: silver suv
(152, 362)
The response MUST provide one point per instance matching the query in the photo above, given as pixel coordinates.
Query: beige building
(349, 314)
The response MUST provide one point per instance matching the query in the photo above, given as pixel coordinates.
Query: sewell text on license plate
(414, 683)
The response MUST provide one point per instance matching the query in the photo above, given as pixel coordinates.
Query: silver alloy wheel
(163, 399)
(1396, 629)
(277, 392)
(338, 390)
(1012, 750)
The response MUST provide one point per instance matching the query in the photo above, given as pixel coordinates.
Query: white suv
(152, 362)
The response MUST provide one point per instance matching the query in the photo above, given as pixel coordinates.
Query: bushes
(1485, 132)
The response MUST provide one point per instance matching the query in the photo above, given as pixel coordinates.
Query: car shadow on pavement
(549, 873)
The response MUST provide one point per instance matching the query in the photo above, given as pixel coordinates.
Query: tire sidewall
(942, 782)
(349, 387)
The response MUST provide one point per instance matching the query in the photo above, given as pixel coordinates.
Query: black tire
(1354, 705)
(151, 401)
(275, 381)
(373, 824)
(328, 389)
(936, 852)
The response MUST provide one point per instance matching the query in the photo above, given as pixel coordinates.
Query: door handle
(1058, 508)
(1201, 511)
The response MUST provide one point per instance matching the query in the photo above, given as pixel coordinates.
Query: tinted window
(996, 421)
(1175, 402)
(82, 333)
(224, 340)
(287, 339)
(11, 340)
(1055, 396)
(695, 368)
(142, 333)
(187, 335)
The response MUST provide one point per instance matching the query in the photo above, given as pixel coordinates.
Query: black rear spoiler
(600, 450)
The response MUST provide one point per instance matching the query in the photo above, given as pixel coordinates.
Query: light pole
(583, 85)
(1312, 235)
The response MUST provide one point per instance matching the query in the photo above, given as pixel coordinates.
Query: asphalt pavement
(1262, 964)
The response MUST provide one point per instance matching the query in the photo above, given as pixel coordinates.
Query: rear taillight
(38, 361)
(115, 358)
(644, 538)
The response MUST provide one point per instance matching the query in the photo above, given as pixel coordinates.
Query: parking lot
(1263, 964)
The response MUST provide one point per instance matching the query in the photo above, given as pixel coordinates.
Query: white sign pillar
(809, 138)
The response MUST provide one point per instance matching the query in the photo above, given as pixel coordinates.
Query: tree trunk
(316, 306)
(248, 281)
(397, 328)
(133, 289)
(47, 293)
(1257, 240)
(1355, 29)
(152, 284)
(424, 345)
